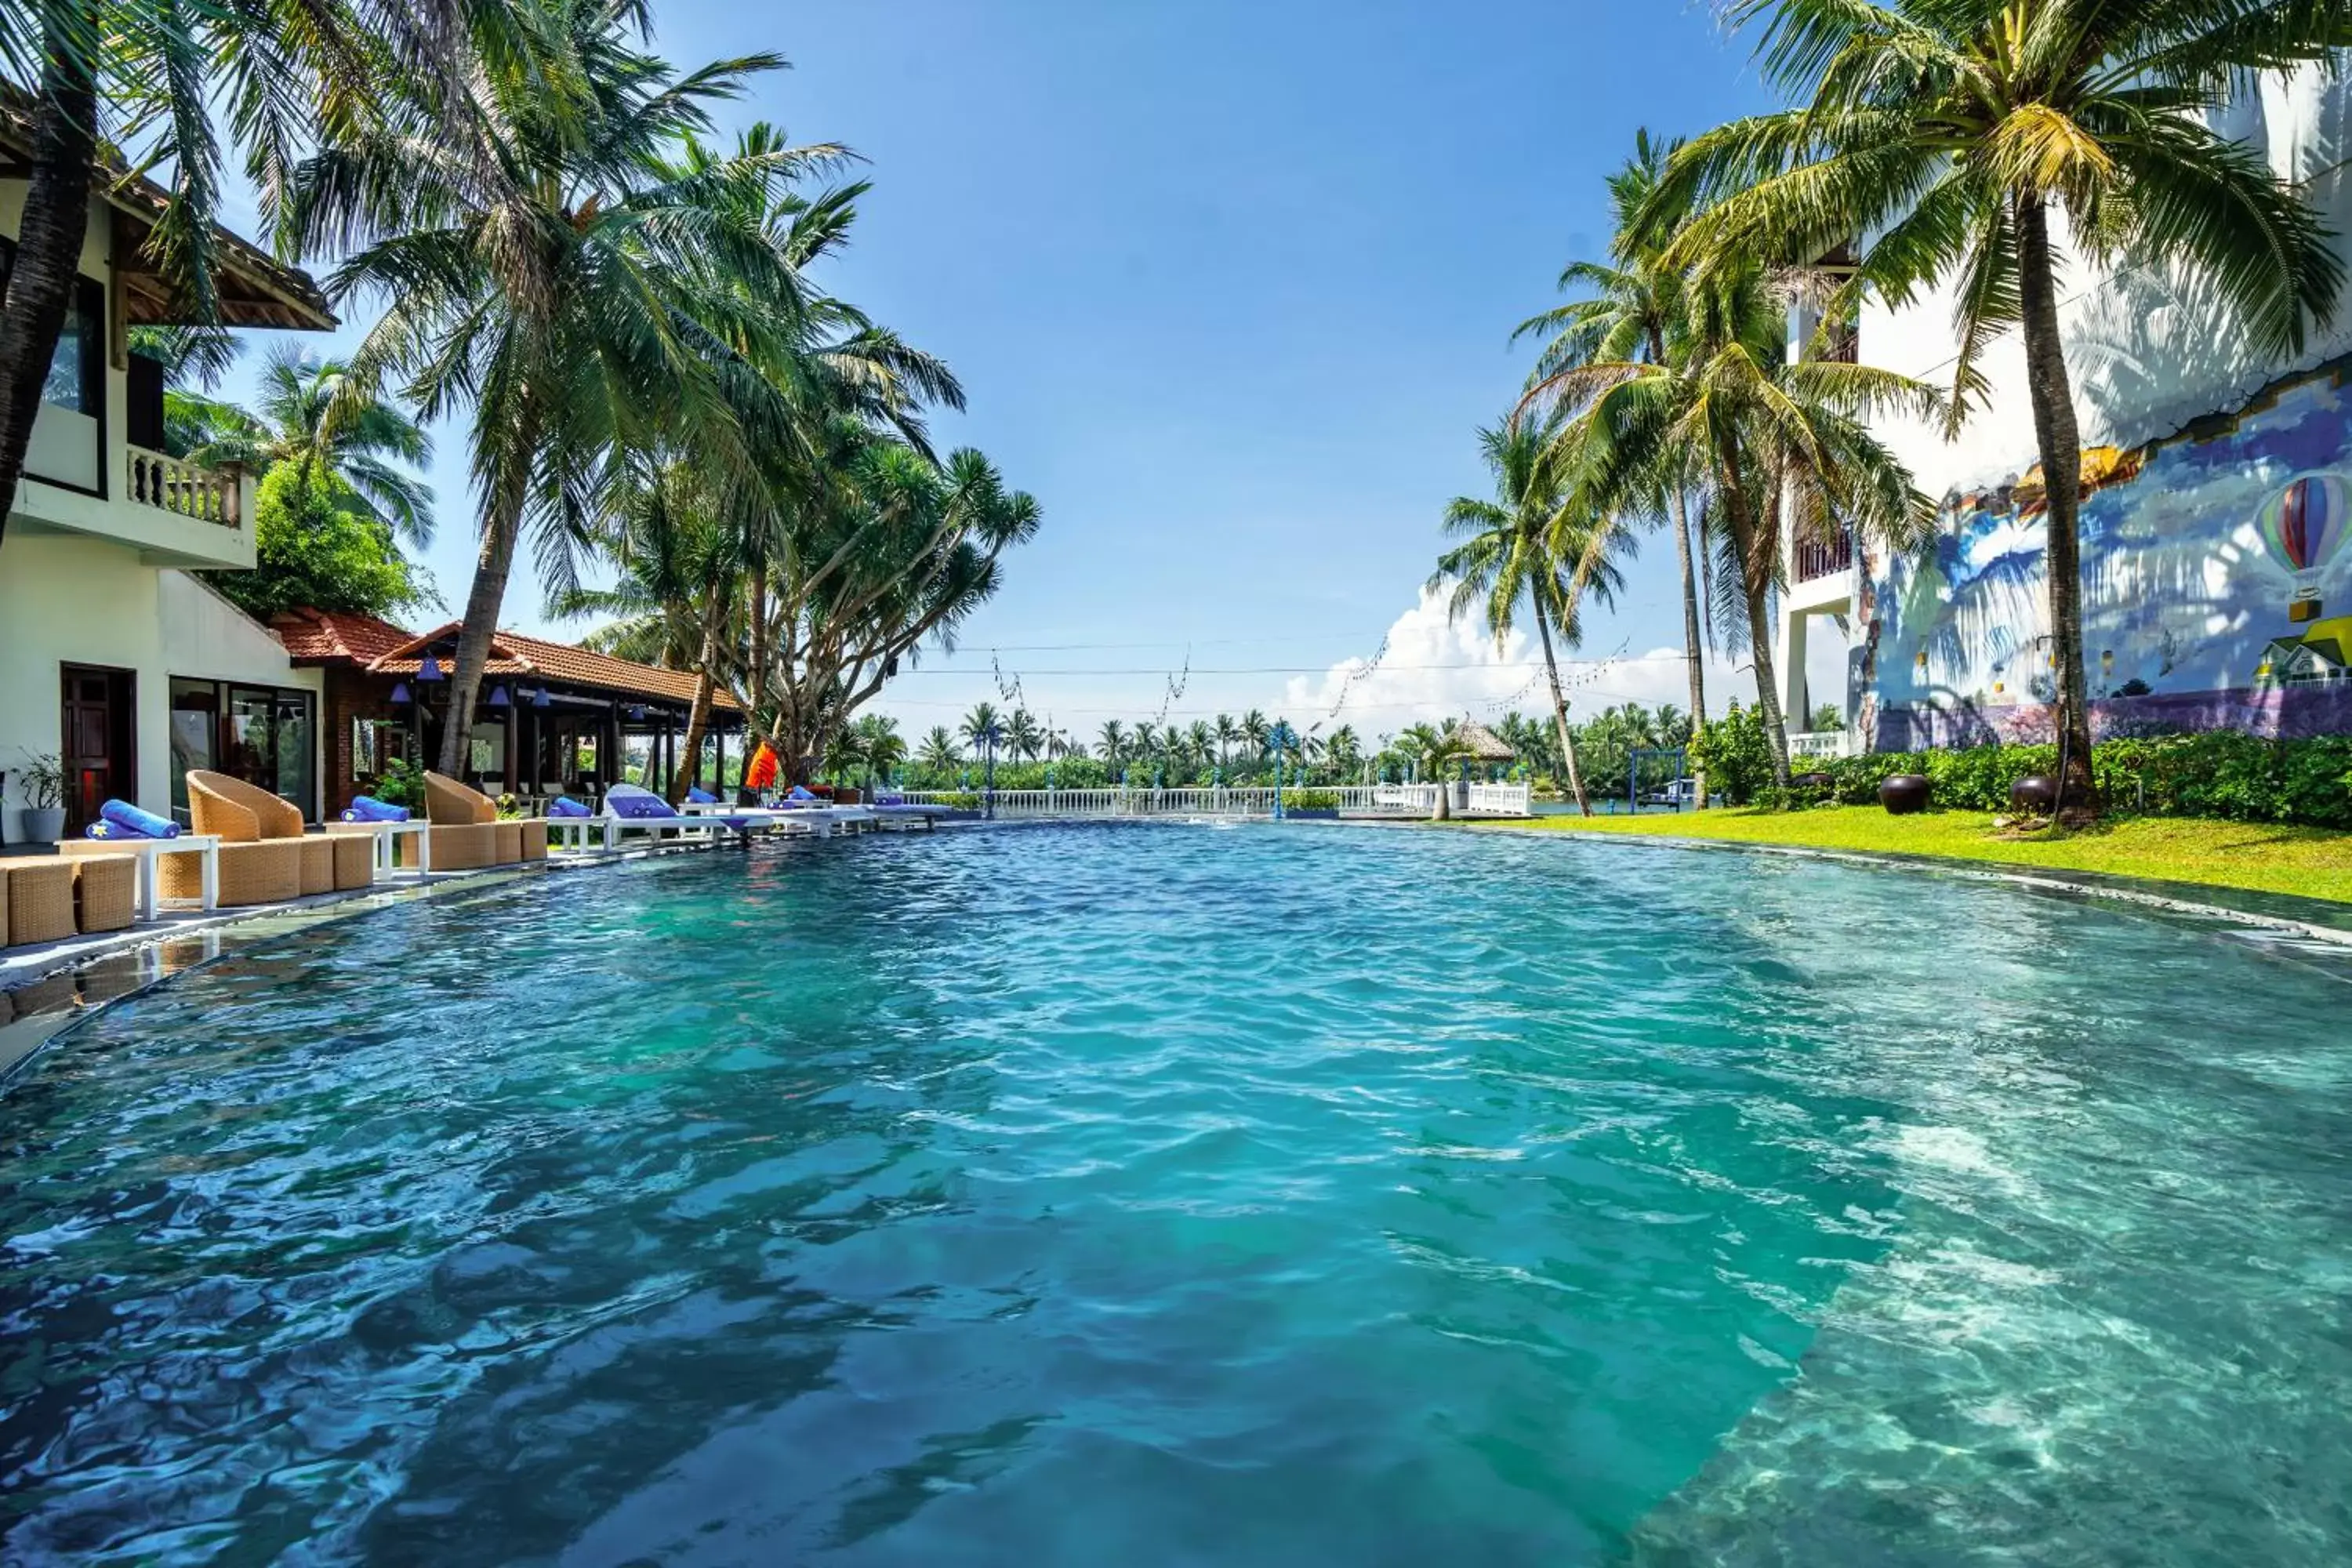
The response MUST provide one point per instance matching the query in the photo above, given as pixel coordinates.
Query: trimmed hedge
(2218, 774)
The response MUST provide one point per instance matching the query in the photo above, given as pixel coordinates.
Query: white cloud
(1432, 669)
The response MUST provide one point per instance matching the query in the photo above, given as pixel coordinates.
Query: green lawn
(2308, 862)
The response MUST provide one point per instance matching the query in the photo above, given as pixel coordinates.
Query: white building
(113, 659)
(2216, 527)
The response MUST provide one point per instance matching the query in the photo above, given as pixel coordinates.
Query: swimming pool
(1154, 1194)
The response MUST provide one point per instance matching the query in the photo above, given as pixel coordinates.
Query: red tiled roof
(513, 654)
(324, 636)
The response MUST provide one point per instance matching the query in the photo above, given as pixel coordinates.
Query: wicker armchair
(465, 831)
(265, 859)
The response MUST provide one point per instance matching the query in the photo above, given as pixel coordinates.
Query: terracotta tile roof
(325, 637)
(513, 654)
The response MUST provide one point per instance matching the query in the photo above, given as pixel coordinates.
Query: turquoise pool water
(1171, 1196)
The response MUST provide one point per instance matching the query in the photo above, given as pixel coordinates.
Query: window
(76, 378)
(258, 734)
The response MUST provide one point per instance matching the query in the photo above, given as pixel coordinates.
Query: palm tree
(1543, 542)
(879, 743)
(1226, 732)
(679, 557)
(1343, 751)
(544, 268)
(305, 415)
(1112, 742)
(983, 726)
(1784, 446)
(1255, 730)
(938, 752)
(1022, 738)
(1946, 132)
(1434, 751)
(1632, 311)
(1146, 738)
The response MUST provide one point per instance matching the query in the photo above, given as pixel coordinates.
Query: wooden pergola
(559, 704)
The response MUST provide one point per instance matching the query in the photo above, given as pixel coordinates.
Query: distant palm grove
(725, 469)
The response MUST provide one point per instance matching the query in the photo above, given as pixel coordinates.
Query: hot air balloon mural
(2303, 526)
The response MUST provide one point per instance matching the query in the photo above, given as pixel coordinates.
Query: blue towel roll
(367, 808)
(120, 820)
(564, 806)
(701, 796)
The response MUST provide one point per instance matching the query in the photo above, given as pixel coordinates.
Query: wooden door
(98, 707)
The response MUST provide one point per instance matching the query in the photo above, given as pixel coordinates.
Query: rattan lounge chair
(262, 846)
(40, 898)
(467, 829)
(105, 892)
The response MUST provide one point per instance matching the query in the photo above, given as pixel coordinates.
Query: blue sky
(1230, 284)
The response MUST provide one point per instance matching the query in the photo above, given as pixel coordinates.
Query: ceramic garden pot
(1904, 794)
(40, 825)
(2036, 792)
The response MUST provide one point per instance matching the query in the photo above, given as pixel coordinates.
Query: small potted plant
(42, 819)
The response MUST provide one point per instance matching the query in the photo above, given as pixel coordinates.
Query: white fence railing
(1354, 800)
(209, 495)
(1820, 743)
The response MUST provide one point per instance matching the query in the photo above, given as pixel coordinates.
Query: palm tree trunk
(697, 714)
(49, 236)
(2055, 431)
(502, 533)
(1560, 713)
(759, 682)
(1692, 655)
(1756, 579)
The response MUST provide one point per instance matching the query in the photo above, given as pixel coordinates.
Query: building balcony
(1815, 559)
(172, 513)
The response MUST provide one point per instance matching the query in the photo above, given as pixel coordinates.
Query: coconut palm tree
(983, 726)
(543, 267)
(1254, 733)
(939, 751)
(1433, 752)
(1784, 447)
(1950, 132)
(1226, 732)
(1542, 542)
(1632, 309)
(306, 416)
(879, 743)
(1111, 743)
(1022, 738)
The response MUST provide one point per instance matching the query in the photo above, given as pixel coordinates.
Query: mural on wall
(2217, 589)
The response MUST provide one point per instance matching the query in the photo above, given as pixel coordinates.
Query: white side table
(144, 850)
(386, 833)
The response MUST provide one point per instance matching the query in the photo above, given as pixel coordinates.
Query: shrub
(1310, 800)
(316, 546)
(2223, 774)
(1735, 755)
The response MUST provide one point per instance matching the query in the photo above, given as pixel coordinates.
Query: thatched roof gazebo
(1483, 745)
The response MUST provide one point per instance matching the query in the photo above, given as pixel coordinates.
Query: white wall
(65, 599)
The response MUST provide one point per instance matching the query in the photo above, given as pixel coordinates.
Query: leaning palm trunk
(1444, 812)
(698, 717)
(1756, 582)
(1560, 713)
(492, 565)
(55, 221)
(2052, 395)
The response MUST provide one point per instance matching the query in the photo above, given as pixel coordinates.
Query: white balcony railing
(167, 484)
(1820, 743)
